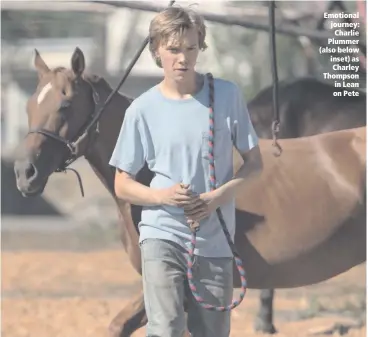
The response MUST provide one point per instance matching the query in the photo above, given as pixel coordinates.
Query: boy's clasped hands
(196, 206)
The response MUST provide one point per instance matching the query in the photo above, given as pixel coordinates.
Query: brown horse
(307, 107)
(301, 222)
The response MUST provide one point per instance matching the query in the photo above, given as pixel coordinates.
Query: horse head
(58, 112)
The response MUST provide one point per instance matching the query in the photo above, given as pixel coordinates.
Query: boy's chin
(183, 74)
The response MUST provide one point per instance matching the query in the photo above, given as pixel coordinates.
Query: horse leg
(130, 319)
(264, 319)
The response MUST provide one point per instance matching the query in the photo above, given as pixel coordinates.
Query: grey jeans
(165, 288)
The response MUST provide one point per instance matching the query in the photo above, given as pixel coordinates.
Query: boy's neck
(181, 89)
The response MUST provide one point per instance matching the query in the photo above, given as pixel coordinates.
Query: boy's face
(179, 55)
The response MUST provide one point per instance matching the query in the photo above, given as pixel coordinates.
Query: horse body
(283, 241)
(324, 198)
(307, 107)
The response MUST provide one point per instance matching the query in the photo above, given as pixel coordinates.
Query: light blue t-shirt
(172, 137)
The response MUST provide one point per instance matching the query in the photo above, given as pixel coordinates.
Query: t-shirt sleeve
(243, 133)
(129, 154)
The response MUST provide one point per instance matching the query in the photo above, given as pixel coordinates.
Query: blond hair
(173, 22)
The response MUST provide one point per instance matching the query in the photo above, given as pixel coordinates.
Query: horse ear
(40, 64)
(78, 63)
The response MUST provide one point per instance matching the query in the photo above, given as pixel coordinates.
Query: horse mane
(98, 80)
(93, 78)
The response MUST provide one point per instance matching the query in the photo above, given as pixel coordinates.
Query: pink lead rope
(195, 227)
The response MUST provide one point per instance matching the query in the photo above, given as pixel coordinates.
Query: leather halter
(88, 132)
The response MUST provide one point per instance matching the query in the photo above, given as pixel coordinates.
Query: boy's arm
(245, 141)
(128, 158)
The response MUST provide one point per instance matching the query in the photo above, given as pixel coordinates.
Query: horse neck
(109, 128)
(99, 157)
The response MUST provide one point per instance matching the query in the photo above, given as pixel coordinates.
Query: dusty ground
(48, 292)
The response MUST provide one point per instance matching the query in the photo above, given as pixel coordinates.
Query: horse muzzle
(28, 180)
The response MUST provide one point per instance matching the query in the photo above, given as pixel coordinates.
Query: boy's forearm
(250, 168)
(136, 193)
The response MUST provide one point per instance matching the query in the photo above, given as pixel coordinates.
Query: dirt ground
(76, 293)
